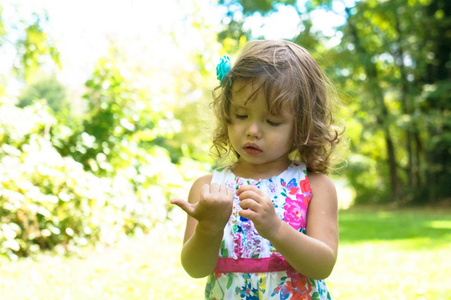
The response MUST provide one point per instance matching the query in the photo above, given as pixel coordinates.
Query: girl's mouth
(252, 149)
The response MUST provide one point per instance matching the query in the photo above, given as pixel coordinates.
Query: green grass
(401, 254)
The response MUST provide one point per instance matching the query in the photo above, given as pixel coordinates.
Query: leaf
(230, 280)
(315, 296)
(224, 250)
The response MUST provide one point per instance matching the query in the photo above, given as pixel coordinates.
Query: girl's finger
(205, 189)
(249, 204)
(247, 213)
(250, 195)
(186, 206)
(223, 189)
(214, 188)
(245, 188)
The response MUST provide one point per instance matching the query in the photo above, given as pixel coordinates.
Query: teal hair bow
(222, 69)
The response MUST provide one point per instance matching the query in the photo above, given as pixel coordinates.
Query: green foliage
(48, 88)
(123, 123)
(251, 6)
(381, 51)
(39, 188)
(33, 50)
(48, 201)
(363, 176)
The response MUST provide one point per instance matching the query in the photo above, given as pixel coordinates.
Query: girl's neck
(245, 169)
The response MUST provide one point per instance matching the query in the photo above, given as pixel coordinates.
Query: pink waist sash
(274, 263)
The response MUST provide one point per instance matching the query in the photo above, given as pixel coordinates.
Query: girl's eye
(241, 117)
(275, 124)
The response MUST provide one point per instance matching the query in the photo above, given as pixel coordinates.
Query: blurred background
(104, 116)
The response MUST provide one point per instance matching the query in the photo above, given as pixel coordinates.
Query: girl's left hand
(258, 208)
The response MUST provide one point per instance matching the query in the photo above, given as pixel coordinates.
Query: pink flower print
(295, 212)
(305, 198)
(237, 247)
(230, 185)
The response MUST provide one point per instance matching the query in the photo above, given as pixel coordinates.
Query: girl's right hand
(213, 209)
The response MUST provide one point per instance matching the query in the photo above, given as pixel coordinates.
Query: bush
(48, 201)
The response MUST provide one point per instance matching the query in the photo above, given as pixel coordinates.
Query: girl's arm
(209, 208)
(312, 254)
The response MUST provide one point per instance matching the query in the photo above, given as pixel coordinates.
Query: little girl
(265, 227)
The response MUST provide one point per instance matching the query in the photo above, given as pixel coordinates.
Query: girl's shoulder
(197, 186)
(323, 185)
(216, 176)
(204, 179)
(319, 179)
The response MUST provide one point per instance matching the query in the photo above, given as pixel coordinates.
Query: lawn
(384, 254)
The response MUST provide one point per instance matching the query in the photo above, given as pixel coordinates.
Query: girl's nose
(254, 130)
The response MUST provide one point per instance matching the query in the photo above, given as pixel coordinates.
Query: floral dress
(249, 267)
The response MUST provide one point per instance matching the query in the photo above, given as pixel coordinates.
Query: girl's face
(262, 140)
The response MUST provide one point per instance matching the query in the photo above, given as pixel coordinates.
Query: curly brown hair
(290, 78)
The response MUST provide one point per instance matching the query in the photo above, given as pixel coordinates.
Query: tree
(435, 81)
(34, 49)
(48, 88)
(393, 66)
(388, 47)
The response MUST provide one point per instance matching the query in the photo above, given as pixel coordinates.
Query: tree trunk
(438, 74)
(382, 114)
(411, 132)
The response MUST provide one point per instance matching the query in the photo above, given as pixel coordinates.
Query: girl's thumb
(186, 206)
